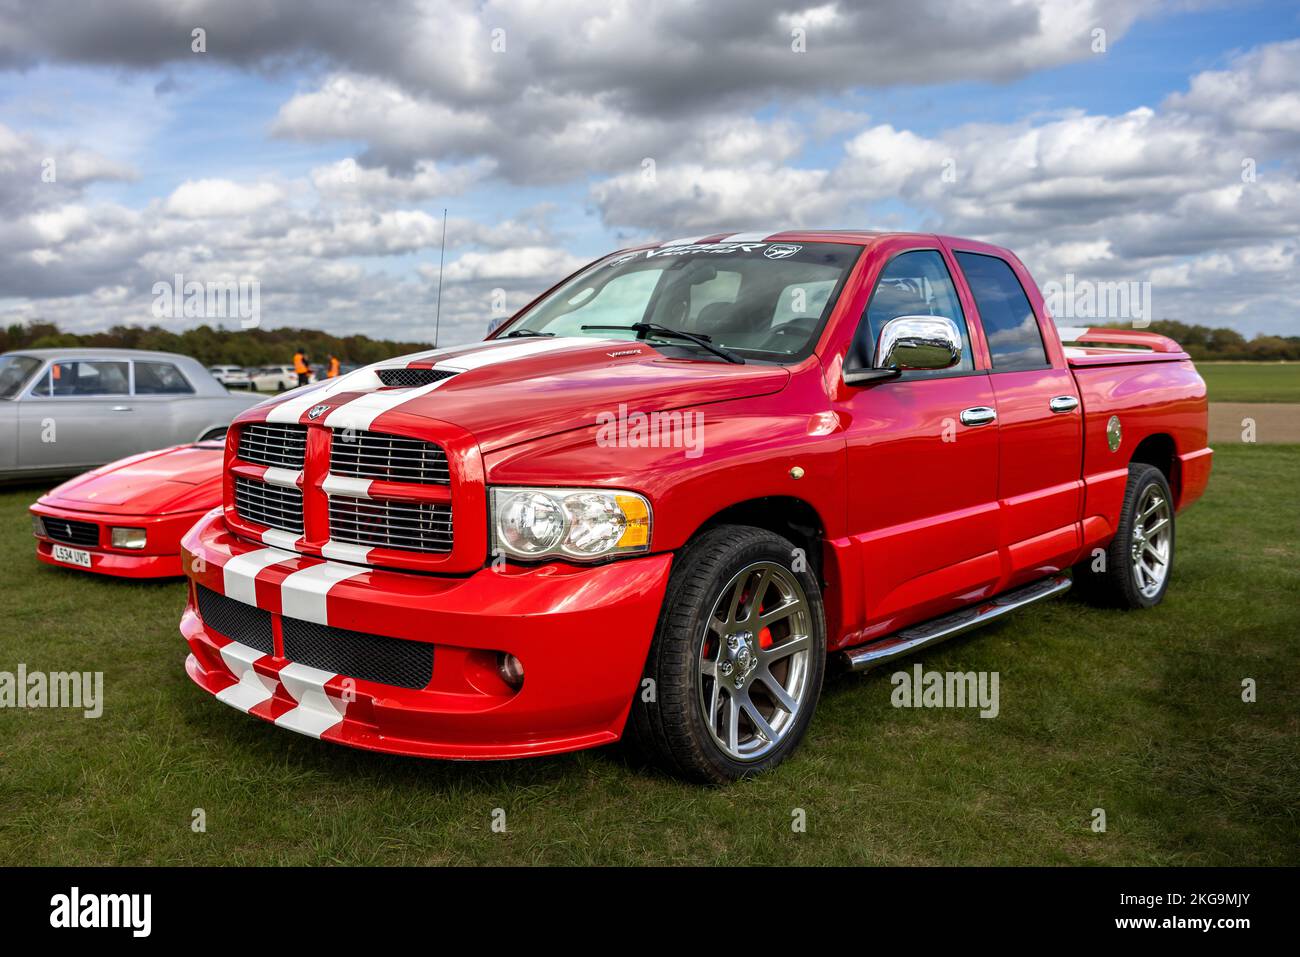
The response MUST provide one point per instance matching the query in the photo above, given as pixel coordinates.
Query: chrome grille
(413, 526)
(283, 446)
(268, 505)
(392, 458)
(406, 378)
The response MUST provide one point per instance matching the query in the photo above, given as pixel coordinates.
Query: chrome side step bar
(936, 630)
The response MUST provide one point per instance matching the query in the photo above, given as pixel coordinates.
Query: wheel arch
(786, 515)
(1159, 449)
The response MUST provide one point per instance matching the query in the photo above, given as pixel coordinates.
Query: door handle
(121, 408)
(1063, 403)
(978, 415)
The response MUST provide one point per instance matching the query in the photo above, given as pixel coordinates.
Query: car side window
(915, 283)
(160, 378)
(82, 378)
(1015, 341)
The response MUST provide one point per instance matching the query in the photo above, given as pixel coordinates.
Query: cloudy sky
(312, 146)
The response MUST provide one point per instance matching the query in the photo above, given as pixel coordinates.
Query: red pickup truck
(664, 494)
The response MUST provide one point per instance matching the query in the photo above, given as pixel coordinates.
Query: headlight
(128, 537)
(577, 523)
(38, 527)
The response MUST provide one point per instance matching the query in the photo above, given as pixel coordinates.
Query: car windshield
(14, 373)
(766, 302)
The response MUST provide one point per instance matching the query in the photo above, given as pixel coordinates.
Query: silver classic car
(65, 410)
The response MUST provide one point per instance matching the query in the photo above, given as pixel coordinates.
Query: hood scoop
(411, 378)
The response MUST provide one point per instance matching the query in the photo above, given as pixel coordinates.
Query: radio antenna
(442, 253)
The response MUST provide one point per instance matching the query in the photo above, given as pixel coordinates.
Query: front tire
(737, 660)
(1139, 561)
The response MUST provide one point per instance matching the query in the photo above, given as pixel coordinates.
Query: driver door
(922, 504)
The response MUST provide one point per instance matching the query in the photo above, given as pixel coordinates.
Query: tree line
(240, 347)
(1205, 342)
(264, 347)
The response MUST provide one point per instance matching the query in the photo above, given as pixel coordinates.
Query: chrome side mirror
(911, 342)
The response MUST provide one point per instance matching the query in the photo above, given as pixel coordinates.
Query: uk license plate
(71, 556)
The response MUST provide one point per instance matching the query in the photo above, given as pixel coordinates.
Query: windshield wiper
(644, 328)
(520, 333)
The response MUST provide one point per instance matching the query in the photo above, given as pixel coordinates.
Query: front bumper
(582, 635)
(160, 558)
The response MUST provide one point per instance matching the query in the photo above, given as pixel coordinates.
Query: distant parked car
(232, 377)
(63, 411)
(276, 379)
(127, 518)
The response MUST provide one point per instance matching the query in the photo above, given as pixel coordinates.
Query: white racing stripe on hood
(364, 409)
(290, 410)
(361, 412)
(365, 379)
(524, 349)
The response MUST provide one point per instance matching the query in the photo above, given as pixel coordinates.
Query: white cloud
(348, 180)
(528, 262)
(219, 198)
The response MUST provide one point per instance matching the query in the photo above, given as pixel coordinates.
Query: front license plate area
(71, 556)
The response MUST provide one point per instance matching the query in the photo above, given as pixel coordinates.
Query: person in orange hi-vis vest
(300, 366)
(333, 369)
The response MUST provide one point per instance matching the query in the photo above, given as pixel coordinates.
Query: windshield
(14, 373)
(766, 302)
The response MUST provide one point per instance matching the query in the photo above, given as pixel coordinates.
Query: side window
(912, 284)
(160, 378)
(77, 378)
(1015, 340)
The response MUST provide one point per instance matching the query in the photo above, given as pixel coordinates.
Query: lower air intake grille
(405, 378)
(269, 505)
(414, 526)
(74, 533)
(355, 654)
(237, 621)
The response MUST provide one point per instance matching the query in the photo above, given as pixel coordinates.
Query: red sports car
(127, 518)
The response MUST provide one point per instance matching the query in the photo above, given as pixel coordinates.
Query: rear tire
(742, 633)
(1138, 563)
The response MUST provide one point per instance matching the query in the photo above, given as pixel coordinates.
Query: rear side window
(160, 378)
(1015, 340)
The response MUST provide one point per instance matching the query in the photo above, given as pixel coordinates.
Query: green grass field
(1251, 381)
(1136, 713)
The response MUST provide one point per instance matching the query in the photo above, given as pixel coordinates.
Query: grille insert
(413, 526)
(406, 378)
(237, 621)
(282, 446)
(72, 533)
(355, 654)
(393, 458)
(269, 505)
